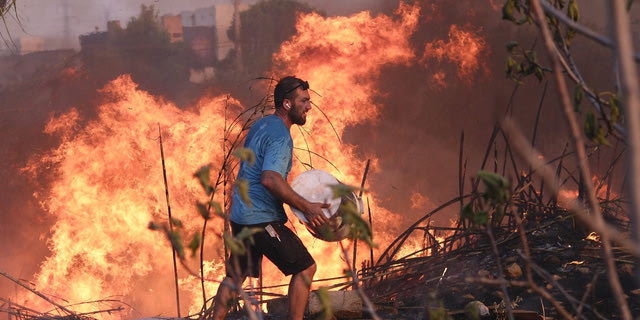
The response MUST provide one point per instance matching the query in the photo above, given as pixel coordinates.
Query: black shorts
(278, 243)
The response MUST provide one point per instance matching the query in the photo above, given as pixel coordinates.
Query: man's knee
(308, 273)
(311, 270)
(225, 296)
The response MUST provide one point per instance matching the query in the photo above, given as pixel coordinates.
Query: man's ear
(286, 104)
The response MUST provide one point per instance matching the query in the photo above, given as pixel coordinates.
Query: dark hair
(286, 87)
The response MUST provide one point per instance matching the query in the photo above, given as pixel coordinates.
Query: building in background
(204, 30)
(224, 19)
(97, 41)
(204, 42)
(219, 16)
(173, 25)
(197, 29)
(204, 17)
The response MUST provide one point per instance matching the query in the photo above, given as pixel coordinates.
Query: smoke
(60, 22)
(418, 133)
(345, 8)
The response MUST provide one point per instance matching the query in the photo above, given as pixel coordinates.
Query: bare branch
(582, 160)
(631, 94)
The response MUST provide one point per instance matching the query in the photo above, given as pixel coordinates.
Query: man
(270, 139)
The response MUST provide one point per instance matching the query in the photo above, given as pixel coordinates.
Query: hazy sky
(46, 19)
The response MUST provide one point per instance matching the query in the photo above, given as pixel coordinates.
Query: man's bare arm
(279, 187)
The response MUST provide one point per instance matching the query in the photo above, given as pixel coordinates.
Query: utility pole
(236, 16)
(67, 30)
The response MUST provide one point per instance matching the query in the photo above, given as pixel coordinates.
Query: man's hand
(315, 215)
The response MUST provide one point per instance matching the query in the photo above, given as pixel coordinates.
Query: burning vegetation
(509, 233)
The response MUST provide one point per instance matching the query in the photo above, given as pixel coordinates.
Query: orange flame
(593, 237)
(108, 187)
(341, 58)
(465, 49)
(495, 4)
(107, 176)
(568, 195)
(418, 201)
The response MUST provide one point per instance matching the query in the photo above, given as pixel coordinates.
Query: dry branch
(582, 158)
(631, 93)
(45, 298)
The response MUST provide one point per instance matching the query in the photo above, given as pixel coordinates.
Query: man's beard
(296, 116)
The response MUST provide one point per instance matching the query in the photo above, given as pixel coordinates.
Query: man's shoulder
(272, 125)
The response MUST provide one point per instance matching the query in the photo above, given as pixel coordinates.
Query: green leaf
(476, 219)
(176, 243)
(247, 233)
(154, 226)
(497, 187)
(539, 73)
(578, 95)
(467, 211)
(358, 227)
(480, 218)
(525, 19)
(571, 33)
(327, 232)
(176, 222)
(439, 312)
(203, 177)
(573, 11)
(510, 66)
(472, 311)
(341, 189)
(616, 111)
(601, 137)
(235, 246)
(194, 244)
(245, 154)
(590, 126)
(511, 45)
(325, 303)
(347, 273)
(507, 10)
(217, 209)
(593, 131)
(203, 210)
(498, 214)
(492, 179)
(243, 190)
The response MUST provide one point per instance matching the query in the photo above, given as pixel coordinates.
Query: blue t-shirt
(270, 140)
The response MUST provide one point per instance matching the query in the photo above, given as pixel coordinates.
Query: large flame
(109, 185)
(107, 179)
(341, 58)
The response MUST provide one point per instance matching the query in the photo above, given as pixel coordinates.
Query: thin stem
(173, 251)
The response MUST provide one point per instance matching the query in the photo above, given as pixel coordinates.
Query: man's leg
(224, 298)
(299, 292)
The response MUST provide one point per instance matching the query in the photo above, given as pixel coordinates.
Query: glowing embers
(593, 237)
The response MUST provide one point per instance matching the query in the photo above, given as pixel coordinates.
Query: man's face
(300, 106)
